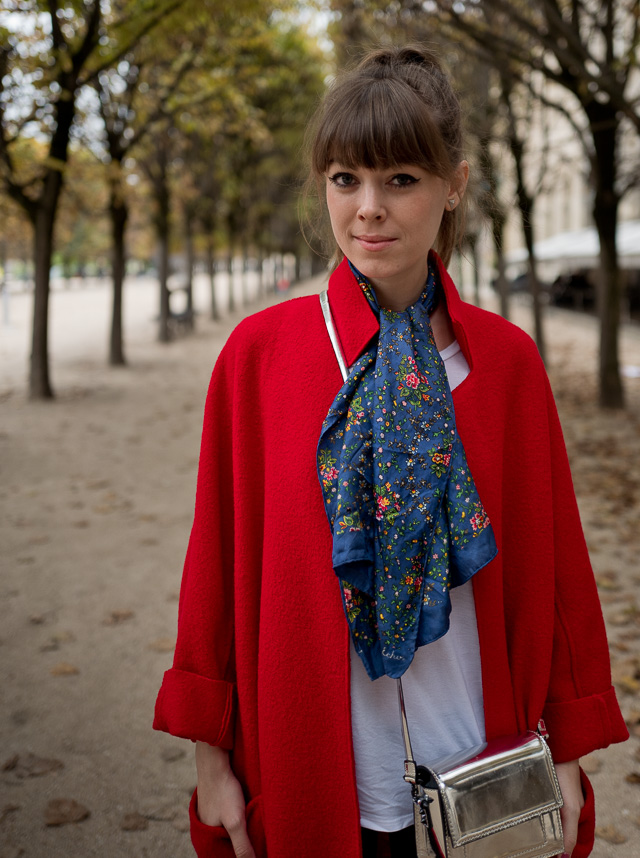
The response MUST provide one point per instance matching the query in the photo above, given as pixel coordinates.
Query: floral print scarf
(406, 518)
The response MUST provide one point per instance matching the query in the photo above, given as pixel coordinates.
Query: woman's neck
(442, 326)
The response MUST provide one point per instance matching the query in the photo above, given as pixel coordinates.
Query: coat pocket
(214, 842)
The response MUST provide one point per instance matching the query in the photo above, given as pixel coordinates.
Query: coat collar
(357, 324)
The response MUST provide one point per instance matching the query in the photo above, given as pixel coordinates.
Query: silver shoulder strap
(333, 336)
(422, 816)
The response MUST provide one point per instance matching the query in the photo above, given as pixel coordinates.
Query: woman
(421, 513)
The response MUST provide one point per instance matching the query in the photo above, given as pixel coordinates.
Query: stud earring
(452, 203)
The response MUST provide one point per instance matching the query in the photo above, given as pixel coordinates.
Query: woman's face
(386, 220)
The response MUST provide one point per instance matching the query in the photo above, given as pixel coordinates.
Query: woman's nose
(371, 205)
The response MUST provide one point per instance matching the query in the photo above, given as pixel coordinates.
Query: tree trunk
(211, 271)
(472, 244)
(39, 382)
(190, 264)
(261, 284)
(231, 298)
(609, 287)
(497, 232)
(119, 213)
(162, 226)
(245, 274)
(604, 127)
(526, 203)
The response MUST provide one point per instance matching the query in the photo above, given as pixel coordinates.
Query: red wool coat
(261, 665)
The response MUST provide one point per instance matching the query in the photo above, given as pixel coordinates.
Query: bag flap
(511, 780)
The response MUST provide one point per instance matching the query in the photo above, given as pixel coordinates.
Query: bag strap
(419, 777)
(333, 336)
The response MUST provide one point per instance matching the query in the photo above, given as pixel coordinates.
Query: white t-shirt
(443, 698)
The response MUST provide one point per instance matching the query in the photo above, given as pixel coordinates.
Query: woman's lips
(374, 242)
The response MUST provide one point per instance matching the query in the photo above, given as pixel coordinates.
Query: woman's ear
(458, 184)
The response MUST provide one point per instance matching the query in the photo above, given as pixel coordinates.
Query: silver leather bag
(499, 800)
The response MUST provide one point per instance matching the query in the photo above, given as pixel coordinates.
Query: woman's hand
(569, 780)
(220, 798)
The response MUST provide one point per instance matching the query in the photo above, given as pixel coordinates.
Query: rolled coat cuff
(195, 707)
(578, 727)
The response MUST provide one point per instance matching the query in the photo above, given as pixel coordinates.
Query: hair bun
(408, 55)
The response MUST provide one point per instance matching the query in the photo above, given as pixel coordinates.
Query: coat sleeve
(197, 697)
(581, 712)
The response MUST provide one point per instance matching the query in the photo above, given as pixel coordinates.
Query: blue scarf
(406, 518)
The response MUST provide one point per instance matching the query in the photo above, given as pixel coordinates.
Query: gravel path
(97, 490)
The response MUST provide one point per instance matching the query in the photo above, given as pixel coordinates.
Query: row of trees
(202, 103)
(575, 58)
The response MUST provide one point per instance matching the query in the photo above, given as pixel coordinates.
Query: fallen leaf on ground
(633, 778)
(55, 640)
(6, 810)
(62, 811)
(610, 833)
(30, 766)
(11, 852)
(611, 598)
(63, 668)
(117, 617)
(181, 820)
(620, 646)
(628, 683)
(98, 484)
(591, 764)
(607, 581)
(158, 810)
(134, 822)
(170, 755)
(163, 645)
(621, 619)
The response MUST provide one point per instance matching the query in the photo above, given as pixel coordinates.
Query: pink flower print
(447, 459)
(412, 380)
(478, 521)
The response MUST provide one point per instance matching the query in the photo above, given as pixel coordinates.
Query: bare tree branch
(88, 44)
(59, 41)
(127, 46)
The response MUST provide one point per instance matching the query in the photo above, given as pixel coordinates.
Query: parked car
(575, 289)
(521, 284)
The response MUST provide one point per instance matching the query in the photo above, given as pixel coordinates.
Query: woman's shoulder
(492, 334)
(283, 328)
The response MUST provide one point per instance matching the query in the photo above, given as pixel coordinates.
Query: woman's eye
(402, 180)
(342, 180)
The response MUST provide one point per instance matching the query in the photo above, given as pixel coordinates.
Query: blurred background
(151, 163)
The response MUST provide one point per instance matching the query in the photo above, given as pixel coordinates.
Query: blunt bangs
(379, 123)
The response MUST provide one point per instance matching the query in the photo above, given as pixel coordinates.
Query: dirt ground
(97, 496)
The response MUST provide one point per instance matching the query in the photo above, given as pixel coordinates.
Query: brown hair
(396, 107)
